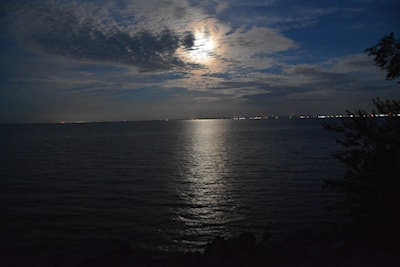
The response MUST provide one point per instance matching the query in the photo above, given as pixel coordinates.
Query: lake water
(162, 185)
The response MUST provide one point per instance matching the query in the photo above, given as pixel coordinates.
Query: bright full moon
(203, 48)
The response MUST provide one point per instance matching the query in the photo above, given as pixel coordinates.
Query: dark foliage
(371, 154)
(387, 56)
(371, 150)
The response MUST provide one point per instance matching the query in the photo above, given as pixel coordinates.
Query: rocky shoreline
(312, 246)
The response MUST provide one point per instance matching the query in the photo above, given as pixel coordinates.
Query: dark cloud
(319, 76)
(64, 32)
(241, 84)
(208, 6)
(188, 40)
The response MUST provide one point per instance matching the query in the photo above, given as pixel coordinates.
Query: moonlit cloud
(68, 33)
(103, 60)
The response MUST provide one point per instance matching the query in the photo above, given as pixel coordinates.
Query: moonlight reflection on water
(206, 180)
(162, 185)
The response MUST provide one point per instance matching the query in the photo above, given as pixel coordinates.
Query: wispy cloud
(64, 31)
(152, 56)
(150, 40)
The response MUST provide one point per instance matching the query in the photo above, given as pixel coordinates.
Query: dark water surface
(162, 185)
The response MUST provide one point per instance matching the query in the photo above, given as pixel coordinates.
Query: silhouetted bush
(387, 56)
(371, 153)
(371, 150)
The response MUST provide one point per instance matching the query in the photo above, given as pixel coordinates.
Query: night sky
(153, 59)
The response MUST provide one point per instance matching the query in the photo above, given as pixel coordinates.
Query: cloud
(263, 40)
(64, 31)
(175, 56)
(361, 63)
(323, 94)
(254, 47)
(206, 99)
(148, 35)
(188, 40)
(308, 74)
(271, 14)
(240, 88)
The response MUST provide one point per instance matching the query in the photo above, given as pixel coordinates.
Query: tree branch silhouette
(371, 150)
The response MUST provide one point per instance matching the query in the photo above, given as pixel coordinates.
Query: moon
(203, 48)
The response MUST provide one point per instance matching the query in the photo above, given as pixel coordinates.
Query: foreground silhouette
(322, 245)
(371, 152)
